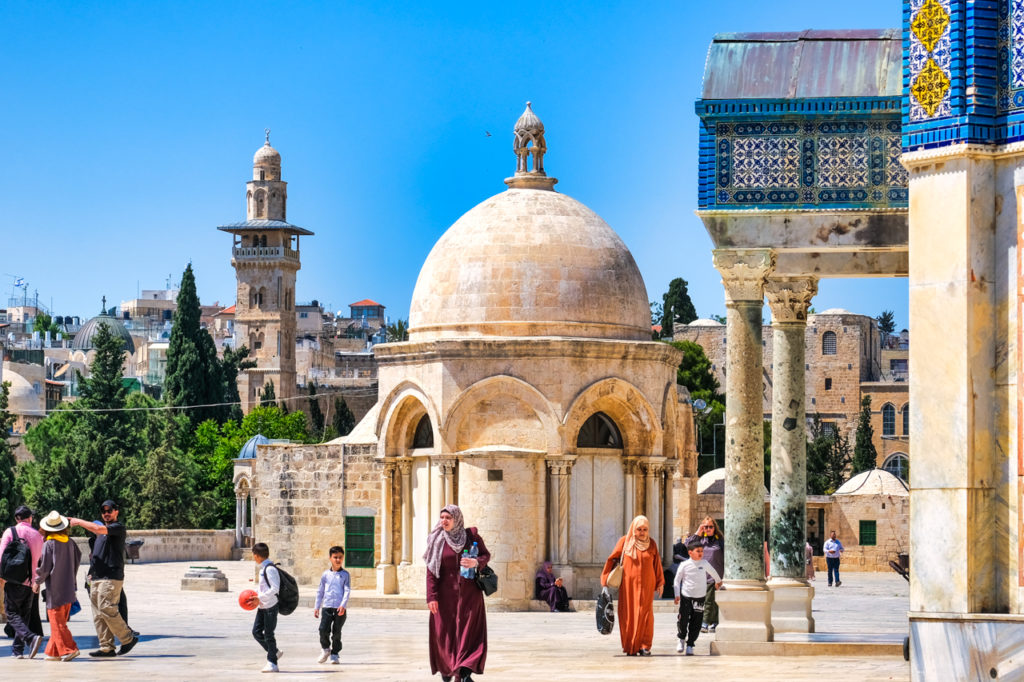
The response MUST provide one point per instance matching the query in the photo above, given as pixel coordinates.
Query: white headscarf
(454, 538)
(632, 544)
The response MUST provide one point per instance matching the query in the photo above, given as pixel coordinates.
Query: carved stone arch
(400, 414)
(242, 483)
(627, 406)
(498, 411)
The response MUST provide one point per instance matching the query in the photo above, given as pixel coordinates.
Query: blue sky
(129, 130)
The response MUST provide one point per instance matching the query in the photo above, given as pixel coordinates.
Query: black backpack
(287, 593)
(16, 563)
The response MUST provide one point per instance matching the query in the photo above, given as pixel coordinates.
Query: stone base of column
(791, 605)
(745, 612)
(387, 579)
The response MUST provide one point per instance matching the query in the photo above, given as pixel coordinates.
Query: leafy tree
(720, 319)
(8, 495)
(398, 331)
(193, 372)
(864, 454)
(169, 475)
(676, 306)
(317, 420)
(696, 375)
(828, 456)
(343, 420)
(233, 362)
(44, 323)
(267, 395)
(886, 323)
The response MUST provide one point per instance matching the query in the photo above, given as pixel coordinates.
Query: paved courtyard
(204, 635)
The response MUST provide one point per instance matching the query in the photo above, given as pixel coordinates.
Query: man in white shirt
(833, 549)
(691, 585)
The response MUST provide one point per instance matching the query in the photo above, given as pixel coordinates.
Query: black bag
(16, 563)
(605, 612)
(287, 593)
(487, 580)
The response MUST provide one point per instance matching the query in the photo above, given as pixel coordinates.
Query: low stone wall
(176, 545)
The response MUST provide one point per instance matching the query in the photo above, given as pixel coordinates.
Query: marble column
(448, 476)
(667, 512)
(789, 299)
(745, 603)
(629, 499)
(405, 466)
(238, 520)
(387, 574)
(652, 497)
(559, 471)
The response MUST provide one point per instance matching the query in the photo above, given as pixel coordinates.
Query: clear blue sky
(129, 130)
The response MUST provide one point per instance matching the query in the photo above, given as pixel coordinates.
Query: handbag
(487, 580)
(615, 577)
(605, 612)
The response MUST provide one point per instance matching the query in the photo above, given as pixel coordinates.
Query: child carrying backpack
(277, 593)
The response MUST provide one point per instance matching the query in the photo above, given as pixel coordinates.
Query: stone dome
(84, 338)
(874, 482)
(23, 398)
(266, 156)
(530, 262)
(705, 322)
(713, 483)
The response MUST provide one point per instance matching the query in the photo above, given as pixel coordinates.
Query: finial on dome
(267, 131)
(529, 141)
(103, 309)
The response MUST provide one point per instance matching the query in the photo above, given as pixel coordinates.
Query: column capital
(790, 297)
(405, 465)
(560, 466)
(743, 272)
(445, 464)
(652, 467)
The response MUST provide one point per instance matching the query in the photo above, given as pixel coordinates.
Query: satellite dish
(699, 404)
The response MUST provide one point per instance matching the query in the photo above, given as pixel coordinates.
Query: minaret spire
(529, 141)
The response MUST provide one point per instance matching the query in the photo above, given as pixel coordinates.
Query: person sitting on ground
(550, 589)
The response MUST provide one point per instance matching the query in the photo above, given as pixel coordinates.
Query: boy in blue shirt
(332, 599)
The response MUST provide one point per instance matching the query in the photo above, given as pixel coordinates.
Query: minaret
(265, 255)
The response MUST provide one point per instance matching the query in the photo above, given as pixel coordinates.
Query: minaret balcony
(264, 253)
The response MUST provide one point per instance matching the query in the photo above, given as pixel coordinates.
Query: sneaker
(103, 653)
(689, 651)
(17, 655)
(712, 627)
(644, 652)
(68, 657)
(838, 583)
(127, 646)
(279, 654)
(335, 660)
(680, 646)
(703, 628)
(269, 668)
(52, 658)
(33, 648)
(323, 656)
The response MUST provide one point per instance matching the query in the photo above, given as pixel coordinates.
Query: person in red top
(458, 618)
(19, 599)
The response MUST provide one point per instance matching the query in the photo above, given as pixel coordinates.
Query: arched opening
(888, 420)
(906, 419)
(263, 240)
(828, 343)
(424, 435)
(898, 464)
(261, 205)
(599, 431)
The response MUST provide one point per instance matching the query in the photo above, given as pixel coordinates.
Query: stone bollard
(204, 579)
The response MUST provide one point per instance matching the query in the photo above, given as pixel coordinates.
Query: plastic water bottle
(474, 552)
(463, 571)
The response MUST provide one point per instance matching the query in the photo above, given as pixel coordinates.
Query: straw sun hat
(54, 522)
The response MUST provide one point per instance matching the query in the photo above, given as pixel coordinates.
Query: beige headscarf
(439, 537)
(632, 545)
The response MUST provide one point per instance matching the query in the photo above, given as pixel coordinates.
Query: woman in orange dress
(642, 581)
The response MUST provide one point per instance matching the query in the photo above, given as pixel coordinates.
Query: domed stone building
(529, 393)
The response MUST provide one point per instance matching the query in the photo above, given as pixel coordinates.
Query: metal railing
(264, 252)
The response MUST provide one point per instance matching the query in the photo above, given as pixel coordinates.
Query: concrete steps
(815, 644)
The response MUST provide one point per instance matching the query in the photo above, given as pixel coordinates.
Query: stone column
(789, 299)
(246, 502)
(238, 519)
(629, 499)
(448, 475)
(559, 470)
(387, 574)
(405, 466)
(667, 509)
(745, 603)
(652, 497)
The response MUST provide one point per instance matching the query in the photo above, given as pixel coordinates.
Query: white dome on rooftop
(873, 482)
(705, 322)
(835, 311)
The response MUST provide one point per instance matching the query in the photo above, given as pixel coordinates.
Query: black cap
(108, 503)
(22, 513)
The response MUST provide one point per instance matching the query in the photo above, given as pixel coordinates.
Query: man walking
(833, 550)
(20, 549)
(106, 571)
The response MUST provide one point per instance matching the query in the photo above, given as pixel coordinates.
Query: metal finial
(104, 309)
(528, 103)
(267, 131)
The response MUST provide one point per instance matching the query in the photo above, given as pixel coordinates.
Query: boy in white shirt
(691, 585)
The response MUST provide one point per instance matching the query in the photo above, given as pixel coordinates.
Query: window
(359, 541)
(829, 428)
(599, 431)
(906, 419)
(424, 436)
(868, 534)
(828, 384)
(828, 343)
(898, 464)
(888, 420)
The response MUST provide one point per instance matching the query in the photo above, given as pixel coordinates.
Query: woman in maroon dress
(458, 620)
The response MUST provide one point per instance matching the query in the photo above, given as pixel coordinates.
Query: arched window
(263, 240)
(906, 419)
(599, 431)
(424, 436)
(888, 420)
(261, 204)
(828, 343)
(898, 464)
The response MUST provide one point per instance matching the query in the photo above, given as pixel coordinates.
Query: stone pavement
(205, 635)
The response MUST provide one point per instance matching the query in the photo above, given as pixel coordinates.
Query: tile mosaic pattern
(929, 59)
(1010, 46)
(809, 163)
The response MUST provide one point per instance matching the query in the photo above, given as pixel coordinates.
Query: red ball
(248, 600)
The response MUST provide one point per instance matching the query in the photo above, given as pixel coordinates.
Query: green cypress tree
(676, 307)
(316, 415)
(233, 362)
(864, 454)
(343, 421)
(193, 370)
(267, 395)
(8, 496)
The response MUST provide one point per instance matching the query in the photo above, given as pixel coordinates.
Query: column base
(971, 646)
(387, 579)
(791, 605)
(745, 612)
